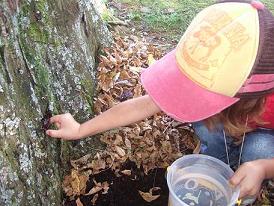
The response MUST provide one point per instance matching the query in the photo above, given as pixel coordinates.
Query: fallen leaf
(94, 190)
(118, 139)
(127, 143)
(76, 164)
(138, 91)
(67, 185)
(105, 186)
(124, 75)
(120, 151)
(75, 182)
(94, 199)
(150, 59)
(148, 196)
(97, 187)
(78, 202)
(135, 70)
(126, 172)
(98, 164)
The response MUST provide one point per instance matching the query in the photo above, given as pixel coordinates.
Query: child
(220, 77)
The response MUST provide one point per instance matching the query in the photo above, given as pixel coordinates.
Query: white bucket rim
(234, 198)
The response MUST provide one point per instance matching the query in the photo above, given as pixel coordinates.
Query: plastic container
(200, 180)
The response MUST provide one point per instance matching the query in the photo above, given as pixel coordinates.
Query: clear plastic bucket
(200, 180)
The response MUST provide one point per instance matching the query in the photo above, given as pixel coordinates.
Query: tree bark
(48, 52)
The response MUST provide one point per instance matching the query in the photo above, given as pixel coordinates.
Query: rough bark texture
(48, 52)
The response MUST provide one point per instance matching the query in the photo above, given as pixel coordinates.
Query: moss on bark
(48, 50)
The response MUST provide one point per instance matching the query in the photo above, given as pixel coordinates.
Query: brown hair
(234, 117)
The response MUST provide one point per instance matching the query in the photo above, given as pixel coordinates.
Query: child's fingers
(244, 191)
(55, 119)
(54, 133)
(237, 178)
(58, 125)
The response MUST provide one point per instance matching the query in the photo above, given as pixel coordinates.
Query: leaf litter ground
(131, 170)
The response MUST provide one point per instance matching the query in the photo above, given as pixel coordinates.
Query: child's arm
(122, 114)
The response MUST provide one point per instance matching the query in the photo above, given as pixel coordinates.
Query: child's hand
(68, 128)
(249, 177)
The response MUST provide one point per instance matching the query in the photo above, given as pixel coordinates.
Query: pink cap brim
(177, 95)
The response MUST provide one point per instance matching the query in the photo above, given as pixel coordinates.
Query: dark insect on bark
(38, 15)
(45, 121)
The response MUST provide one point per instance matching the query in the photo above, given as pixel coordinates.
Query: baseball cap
(226, 53)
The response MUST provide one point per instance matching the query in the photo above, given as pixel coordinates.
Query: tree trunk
(48, 52)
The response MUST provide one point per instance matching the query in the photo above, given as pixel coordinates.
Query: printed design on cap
(220, 46)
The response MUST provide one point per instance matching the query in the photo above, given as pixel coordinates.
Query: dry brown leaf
(138, 91)
(105, 186)
(76, 164)
(116, 77)
(118, 57)
(98, 165)
(126, 172)
(148, 196)
(124, 75)
(94, 190)
(112, 59)
(78, 202)
(118, 140)
(94, 199)
(97, 187)
(121, 152)
(104, 60)
(135, 70)
(101, 100)
(75, 184)
(127, 143)
(83, 182)
(139, 155)
(67, 186)
(150, 59)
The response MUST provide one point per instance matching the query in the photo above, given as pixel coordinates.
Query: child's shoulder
(270, 99)
(268, 115)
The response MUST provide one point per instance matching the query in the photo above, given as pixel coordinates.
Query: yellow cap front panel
(220, 46)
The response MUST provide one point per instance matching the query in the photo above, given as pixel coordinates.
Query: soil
(124, 190)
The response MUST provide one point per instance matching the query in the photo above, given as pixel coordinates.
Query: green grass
(172, 16)
(166, 16)
(269, 4)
